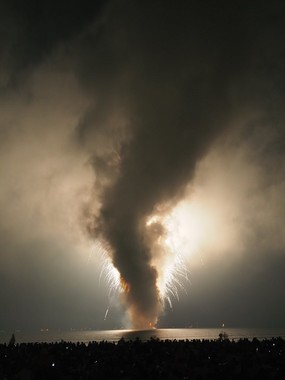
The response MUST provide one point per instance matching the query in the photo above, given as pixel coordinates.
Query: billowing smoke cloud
(179, 75)
(155, 97)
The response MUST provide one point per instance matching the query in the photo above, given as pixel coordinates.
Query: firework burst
(172, 271)
(108, 271)
(170, 263)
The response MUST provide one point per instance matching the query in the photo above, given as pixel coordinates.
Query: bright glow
(152, 219)
(189, 225)
(188, 229)
(173, 238)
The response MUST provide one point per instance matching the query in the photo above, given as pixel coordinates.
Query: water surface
(144, 335)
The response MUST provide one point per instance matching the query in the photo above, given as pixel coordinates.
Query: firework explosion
(166, 241)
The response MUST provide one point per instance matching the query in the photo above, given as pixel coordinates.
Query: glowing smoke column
(176, 102)
(155, 168)
(132, 258)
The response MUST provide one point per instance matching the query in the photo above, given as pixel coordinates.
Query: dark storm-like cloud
(181, 75)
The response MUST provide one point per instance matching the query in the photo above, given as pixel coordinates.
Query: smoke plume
(174, 76)
(115, 113)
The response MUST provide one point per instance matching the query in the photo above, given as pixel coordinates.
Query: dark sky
(156, 131)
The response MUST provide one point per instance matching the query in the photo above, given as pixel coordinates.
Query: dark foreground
(219, 359)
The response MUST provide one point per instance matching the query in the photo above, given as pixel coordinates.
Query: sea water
(144, 335)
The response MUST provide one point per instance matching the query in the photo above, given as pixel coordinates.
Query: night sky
(142, 132)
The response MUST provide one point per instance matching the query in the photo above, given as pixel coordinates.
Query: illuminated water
(162, 334)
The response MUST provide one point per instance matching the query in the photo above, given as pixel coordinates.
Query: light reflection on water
(144, 335)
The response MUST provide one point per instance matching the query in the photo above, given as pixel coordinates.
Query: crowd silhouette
(154, 359)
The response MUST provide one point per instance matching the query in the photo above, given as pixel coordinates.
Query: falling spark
(106, 313)
(110, 274)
